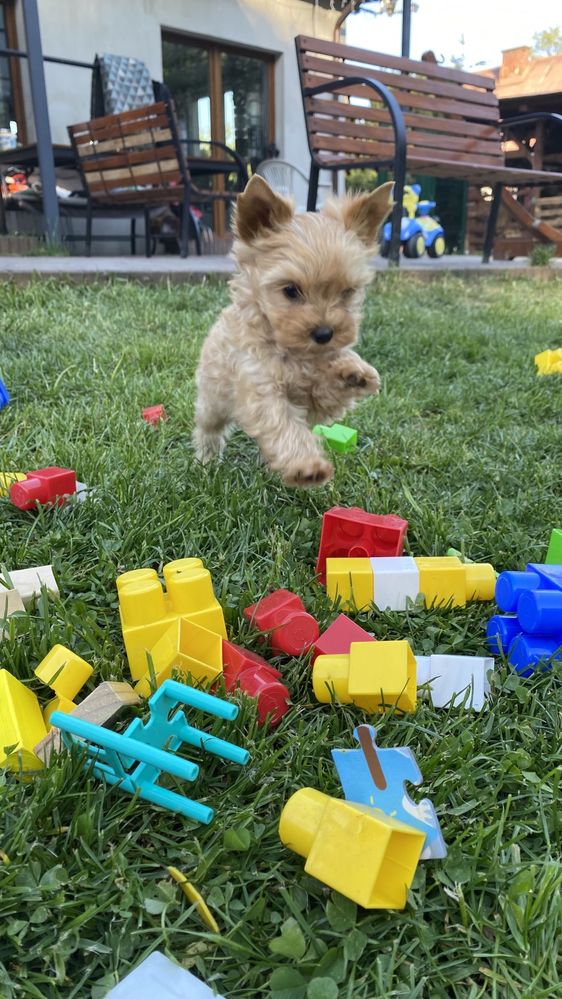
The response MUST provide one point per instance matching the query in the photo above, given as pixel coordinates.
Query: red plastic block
(236, 660)
(45, 485)
(257, 679)
(339, 635)
(350, 532)
(292, 629)
(154, 414)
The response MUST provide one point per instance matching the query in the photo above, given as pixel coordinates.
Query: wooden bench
(406, 116)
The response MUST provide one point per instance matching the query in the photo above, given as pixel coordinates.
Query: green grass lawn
(465, 442)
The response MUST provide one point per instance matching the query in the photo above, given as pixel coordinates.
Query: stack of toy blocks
(530, 630)
(350, 532)
(390, 673)
(388, 583)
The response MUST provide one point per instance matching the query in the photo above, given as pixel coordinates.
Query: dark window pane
(186, 74)
(244, 84)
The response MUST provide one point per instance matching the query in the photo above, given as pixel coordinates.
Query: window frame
(15, 69)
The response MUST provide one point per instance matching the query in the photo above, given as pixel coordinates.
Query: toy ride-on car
(419, 231)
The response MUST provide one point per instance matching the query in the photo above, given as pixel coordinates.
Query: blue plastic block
(398, 765)
(528, 651)
(540, 612)
(136, 760)
(549, 575)
(159, 978)
(4, 395)
(500, 632)
(510, 586)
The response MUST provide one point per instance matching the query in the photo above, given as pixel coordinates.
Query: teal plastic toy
(135, 760)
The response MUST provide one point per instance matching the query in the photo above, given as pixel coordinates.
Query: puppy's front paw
(308, 472)
(207, 446)
(358, 377)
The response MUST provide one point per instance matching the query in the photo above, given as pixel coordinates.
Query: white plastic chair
(289, 180)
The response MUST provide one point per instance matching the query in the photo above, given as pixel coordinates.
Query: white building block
(10, 602)
(159, 978)
(30, 581)
(423, 673)
(451, 676)
(394, 580)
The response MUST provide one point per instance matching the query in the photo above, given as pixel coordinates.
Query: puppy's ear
(259, 210)
(363, 213)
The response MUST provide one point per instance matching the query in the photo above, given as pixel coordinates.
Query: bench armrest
(387, 98)
(237, 161)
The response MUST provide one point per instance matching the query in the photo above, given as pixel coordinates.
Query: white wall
(78, 29)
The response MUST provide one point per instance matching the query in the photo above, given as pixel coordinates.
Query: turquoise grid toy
(135, 760)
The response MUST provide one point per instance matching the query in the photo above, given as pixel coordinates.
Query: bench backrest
(449, 115)
(131, 153)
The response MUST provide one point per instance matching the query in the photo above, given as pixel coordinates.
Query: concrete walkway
(172, 268)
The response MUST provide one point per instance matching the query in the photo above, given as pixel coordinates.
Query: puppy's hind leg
(212, 423)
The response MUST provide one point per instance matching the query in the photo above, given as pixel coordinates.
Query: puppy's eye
(348, 293)
(292, 292)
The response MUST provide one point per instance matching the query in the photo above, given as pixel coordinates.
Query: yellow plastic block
(373, 676)
(7, 479)
(382, 674)
(64, 671)
(549, 362)
(57, 703)
(358, 851)
(186, 650)
(148, 613)
(351, 581)
(21, 724)
(442, 580)
(480, 580)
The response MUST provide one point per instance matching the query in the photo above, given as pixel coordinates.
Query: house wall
(79, 30)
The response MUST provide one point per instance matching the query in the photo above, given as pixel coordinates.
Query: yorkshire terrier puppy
(279, 359)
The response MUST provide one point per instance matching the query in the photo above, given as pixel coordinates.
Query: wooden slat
(417, 84)
(155, 195)
(430, 122)
(160, 108)
(416, 137)
(118, 131)
(130, 157)
(317, 45)
(122, 179)
(370, 150)
(421, 102)
(551, 200)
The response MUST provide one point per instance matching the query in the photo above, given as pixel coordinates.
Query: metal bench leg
(312, 188)
(133, 236)
(492, 223)
(147, 233)
(89, 229)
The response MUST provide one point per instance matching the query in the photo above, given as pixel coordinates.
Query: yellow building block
(358, 851)
(186, 650)
(57, 703)
(549, 362)
(21, 724)
(382, 674)
(149, 614)
(480, 580)
(64, 671)
(350, 580)
(373, 676)
(7, 479)
(442, 580)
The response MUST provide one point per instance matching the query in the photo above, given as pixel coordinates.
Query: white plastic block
(10, 602)
(395, 579)
(30, 581)
(423, 673)
(160, 978)
(450, 676)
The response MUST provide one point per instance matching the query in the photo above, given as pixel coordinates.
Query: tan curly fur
(261, 368)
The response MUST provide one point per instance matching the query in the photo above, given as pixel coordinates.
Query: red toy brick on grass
(154, 414)
(45, 485)
(350, 532)
(282, 613)
(257, 679)
(339, 635)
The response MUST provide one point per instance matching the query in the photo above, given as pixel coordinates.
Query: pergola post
(406, 26)
(41, 120)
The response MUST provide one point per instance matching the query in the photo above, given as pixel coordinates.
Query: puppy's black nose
(322, 334)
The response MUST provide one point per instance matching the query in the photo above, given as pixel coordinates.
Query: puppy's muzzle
(322, 334)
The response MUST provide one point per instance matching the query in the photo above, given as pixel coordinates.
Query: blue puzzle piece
(398, 765)
(4, 395)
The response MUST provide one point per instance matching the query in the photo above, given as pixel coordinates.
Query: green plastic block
(338, 438)
(554, 553)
